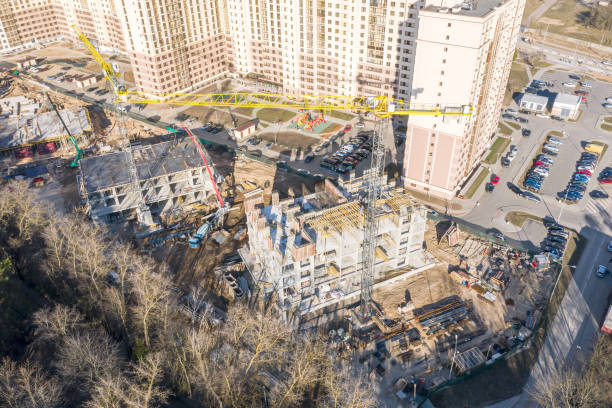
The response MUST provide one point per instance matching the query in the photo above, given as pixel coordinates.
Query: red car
(588, 173)
(495, 180)
(606, 180)
(539, 163)
(584, 99)
(348, 128)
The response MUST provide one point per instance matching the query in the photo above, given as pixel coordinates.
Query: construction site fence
(163, 125)
(484, 233)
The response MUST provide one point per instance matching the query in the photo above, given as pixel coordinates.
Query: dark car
(489, 188)
(526, 132)
(508, 116)
(599, 194)
(549, 152)
(514, 188)
(309, 158)
(522, 120)
(575, 76)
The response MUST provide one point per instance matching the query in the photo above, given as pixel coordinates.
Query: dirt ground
(205, 114)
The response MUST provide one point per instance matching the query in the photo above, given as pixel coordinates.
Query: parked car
(585, 85)
(585, 172)
(526, 132)
(531, 197)
(309, 158)
(545, 159)
(542, 115)
(569, 84)
(555, 140)
(522, 120)
(551, 147)
(550, 152)
(601, 271)
(575, 76)
(599, 194)
(494, 180)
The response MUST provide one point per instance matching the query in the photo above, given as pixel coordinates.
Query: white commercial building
(566, 106)
(533, 103)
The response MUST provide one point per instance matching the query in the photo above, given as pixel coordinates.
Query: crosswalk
(598, 206)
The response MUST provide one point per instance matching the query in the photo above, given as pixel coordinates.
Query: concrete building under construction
(309, 249)
(145, 181)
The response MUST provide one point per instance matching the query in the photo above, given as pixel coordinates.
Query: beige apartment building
(463, 56)
(431, 52)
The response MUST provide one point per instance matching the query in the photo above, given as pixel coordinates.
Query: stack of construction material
(442, 314)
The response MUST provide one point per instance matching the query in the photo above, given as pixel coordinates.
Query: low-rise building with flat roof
(534, 103)
(566, 106)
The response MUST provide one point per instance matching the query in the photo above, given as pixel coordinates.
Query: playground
(314, 124)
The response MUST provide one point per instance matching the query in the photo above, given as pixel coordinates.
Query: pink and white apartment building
(441, 52)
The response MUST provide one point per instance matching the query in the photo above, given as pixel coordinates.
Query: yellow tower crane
(380, 106)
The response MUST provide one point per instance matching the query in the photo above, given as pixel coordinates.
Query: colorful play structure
(305, 121)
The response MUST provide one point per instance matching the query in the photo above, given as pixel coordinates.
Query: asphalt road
(575, 60)
(576, 325)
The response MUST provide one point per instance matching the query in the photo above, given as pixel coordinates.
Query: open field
(564, 18)
(273, 115)
(291, 139)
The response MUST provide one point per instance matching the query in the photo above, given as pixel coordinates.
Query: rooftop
(567, 99)
(110, 170)
(21, 130)
(529, 97)
(473, 8)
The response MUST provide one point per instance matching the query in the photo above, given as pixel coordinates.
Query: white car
(542, 115)
(569, 84)
(541, 171)
(585, 85)
(607, 105)
(608, 99)
(607, 63)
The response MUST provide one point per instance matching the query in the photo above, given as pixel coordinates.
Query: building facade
(463, 56)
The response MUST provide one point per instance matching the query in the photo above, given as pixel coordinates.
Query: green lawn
(273, 115)
(607, 127)
(608, 119)
(518, 218)
(504, 129)
(514, 125)
(340, 115)
(498, 147)
(246, 111)
(477, 182)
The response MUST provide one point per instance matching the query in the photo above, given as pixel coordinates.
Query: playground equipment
(306, 122)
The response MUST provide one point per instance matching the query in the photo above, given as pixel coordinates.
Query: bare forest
(73, 337)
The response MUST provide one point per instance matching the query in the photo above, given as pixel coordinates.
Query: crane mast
(382, 107)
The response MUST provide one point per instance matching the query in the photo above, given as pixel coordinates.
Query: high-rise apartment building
(463, 56)
(443, 52)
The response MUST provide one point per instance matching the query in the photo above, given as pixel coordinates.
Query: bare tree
(346, 387)
(303, 364)
(57, 323)
(153, 294)
(145, 391)
(564, 389)
(26, 386)
(108, 392)
(84, 358)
